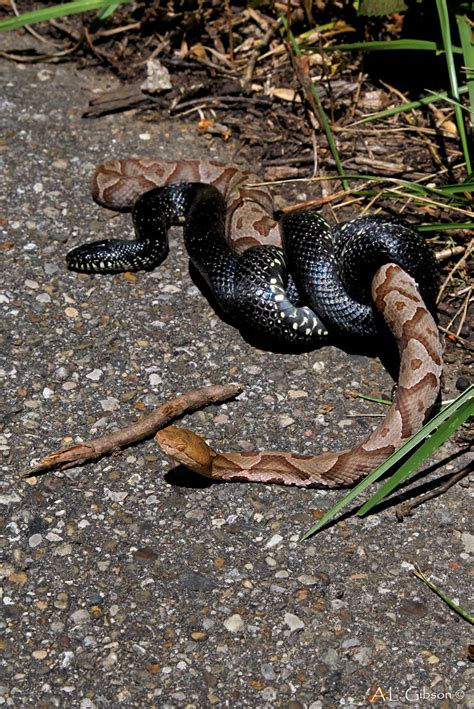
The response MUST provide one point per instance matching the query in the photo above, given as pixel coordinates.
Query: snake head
(186, 448)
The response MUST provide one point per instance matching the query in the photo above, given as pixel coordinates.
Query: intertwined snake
(323, 281)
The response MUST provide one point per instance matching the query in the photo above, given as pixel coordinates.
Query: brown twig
(224, 99)
(145, 427)
(455, 268)
(259, 46)
(316, 202)
(449, 252)
(457, 338)
(37, 58)
(30, 29)
(462, 311)
(406, 508)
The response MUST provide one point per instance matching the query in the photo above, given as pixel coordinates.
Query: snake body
(298, 287)
(397, 298)
(318, 282)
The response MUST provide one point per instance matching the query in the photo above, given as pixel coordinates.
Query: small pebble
(350, 642)
(234, 623)
(294, 623)
(414, 609)
(35, 540)
(297, 394)
(274, 541)
(110, 660)
(115, 495)
(363, 655)
(63, 550)
(468, 541)
(110, 404)
(80, 617)
(462, 383)
(87, 704)
(68, 658)
(50, 268)
(145, 554)
(33, 285)
(95, 375)
(307, 580)
(61, 602)
(39, 654)
(268, 672)
(194, 581)
(269, 694)
(53, 537)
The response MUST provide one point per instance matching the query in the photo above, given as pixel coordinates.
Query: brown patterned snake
(249, 221)
(117, 184)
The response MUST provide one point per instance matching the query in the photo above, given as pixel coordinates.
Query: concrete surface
(127, 587)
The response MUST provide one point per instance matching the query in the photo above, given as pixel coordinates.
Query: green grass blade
(445, 227)
(50, 13)
(467, 45)
(448, 47)
(321, 112)
(107, 12)
(414, 441)
(450, 100)
(467, 186)
(444, 597)
(442, 191)
(394, 44)
(374, 399)
(102, 16)
(409, 106)
(424, 451)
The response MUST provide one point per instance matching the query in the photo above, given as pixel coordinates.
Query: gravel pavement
(129, 585)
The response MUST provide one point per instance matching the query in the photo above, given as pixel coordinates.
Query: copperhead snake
(232, 236)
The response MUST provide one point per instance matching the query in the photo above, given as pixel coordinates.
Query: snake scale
(296, 280)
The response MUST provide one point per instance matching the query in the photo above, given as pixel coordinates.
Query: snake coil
(303, 286)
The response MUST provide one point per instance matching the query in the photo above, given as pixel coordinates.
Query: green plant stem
(323, 119)
(458, 411)
(374, 399)
(394, 44)
(444, 597)
(49, 13)
(409, 106)
(428, 447)
(448, 47)
(467, 45)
